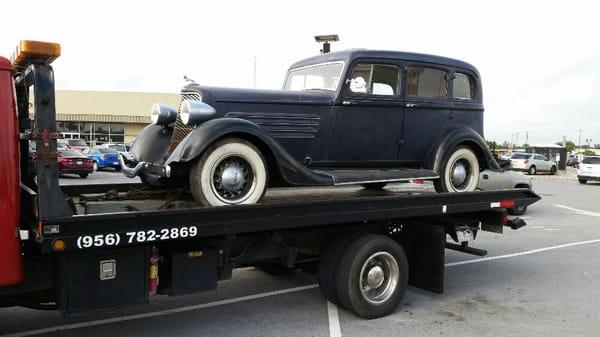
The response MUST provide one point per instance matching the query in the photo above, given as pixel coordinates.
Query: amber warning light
(34, 51)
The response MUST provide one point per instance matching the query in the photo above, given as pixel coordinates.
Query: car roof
(350, 54)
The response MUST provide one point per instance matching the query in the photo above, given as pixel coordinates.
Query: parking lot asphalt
(541, 280)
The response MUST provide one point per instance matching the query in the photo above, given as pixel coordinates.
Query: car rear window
(462, 86)
(520, 156)
(74, 154)
(105, 150)
(77, 142)
(591, 160)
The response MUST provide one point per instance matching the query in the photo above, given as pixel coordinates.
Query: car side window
(462, 86)
(375, 79)
(427, 82)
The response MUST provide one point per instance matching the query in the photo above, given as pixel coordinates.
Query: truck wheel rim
(379, 277)
(232, 179)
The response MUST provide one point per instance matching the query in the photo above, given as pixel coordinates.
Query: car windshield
(77, 142)
(325, 76)
(520, 156)
(72, 154)
(591, 160)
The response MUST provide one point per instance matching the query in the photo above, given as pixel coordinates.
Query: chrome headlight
(195, 112)
(163, 114)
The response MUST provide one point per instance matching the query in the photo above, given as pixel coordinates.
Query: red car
(74, 162)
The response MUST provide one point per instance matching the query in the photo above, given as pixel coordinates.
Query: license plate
(79, 162)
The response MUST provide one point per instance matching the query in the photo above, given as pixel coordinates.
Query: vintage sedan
(351, 117)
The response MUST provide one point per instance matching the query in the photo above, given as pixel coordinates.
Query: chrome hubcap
(460, 174)
(232, 179)
(375, 277)
(379, 277)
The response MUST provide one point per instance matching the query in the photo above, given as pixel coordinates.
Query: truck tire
(373, 186)
(231, 172)
(371, 276)
(459, 171)
(328, 265)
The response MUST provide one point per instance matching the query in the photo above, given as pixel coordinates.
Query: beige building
(106, 116)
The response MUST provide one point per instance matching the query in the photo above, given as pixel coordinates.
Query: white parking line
(334, 323)
(160, 313)
(334, 320)
(579, 211)
(527, 252)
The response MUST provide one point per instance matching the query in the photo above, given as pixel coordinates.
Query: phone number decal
(113, 239)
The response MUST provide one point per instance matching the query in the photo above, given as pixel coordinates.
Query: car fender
(456, 136)
(206, 134)
(152, 144)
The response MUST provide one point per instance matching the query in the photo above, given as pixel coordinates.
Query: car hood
(217, 94)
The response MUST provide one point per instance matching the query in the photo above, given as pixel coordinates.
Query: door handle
(348, 103)
(411, 105)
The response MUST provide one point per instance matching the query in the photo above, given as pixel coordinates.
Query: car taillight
(526, 161)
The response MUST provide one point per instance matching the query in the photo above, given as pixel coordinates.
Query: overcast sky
(539, 60)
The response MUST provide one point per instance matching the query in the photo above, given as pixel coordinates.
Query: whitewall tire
(459, 172)
(231, 172)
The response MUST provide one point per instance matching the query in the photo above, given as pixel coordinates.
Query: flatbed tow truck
(90, 247)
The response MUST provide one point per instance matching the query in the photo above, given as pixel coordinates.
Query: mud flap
(424, 245)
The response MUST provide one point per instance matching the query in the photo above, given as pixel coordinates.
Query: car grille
(181, 130)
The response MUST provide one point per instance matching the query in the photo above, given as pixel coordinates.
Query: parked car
(492, 180)
(574, 160)
(506, 156)
(78, 145)
(103, 158)
(532, 163)
(589, 169)
(351, 117)
(62, 144)
(74, 162)
(115, 146)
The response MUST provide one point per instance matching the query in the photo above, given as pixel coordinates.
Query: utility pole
(579, 143)
(526, 139)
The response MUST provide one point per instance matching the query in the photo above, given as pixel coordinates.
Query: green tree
(570, 146)
(492, 144)
(596, 146)
(589, 153)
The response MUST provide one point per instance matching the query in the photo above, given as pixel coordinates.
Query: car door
(427, 114)
(368, 119)
(542, 163)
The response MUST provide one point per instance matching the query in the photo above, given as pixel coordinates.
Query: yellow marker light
(58, 245)
(28, 51)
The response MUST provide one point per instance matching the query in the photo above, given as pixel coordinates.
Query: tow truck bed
(281, 209)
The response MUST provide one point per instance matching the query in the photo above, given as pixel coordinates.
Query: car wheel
(230, 172)
(371, 276)
(582, 181)
(553, 170)
(532, 170)
(95, 167)
(459, 173)
(373, 186)
(118, 168)
(517, 210)
(83, 175)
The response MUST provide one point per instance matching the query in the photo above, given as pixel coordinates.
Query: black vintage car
(350, 117)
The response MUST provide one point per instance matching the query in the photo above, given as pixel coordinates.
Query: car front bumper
(589, 178)
(132, 167)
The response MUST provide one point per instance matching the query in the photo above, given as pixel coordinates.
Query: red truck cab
(11, 263)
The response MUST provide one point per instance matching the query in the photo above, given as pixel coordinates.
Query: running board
(357, 177)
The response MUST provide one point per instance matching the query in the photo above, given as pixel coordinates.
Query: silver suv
(532, 163)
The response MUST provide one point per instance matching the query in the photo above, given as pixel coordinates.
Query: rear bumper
(132, 168)
(76, 170)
